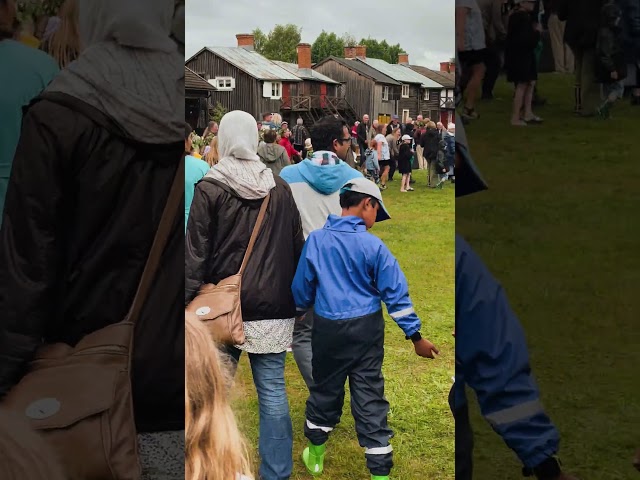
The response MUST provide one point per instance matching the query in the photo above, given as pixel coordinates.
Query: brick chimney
(403, 58)
(446, 67)
(245, 40)
(304, 55)
(349, 52)
(361, 51)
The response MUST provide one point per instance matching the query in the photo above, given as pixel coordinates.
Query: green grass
(421, 236)
(559, 229)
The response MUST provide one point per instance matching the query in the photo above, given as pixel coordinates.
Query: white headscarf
(240, 167)
(131, 70)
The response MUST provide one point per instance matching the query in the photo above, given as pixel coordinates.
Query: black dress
(404, 159)
(519, 55)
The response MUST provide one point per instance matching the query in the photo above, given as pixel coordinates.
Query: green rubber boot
(379, 477)
(313, 458)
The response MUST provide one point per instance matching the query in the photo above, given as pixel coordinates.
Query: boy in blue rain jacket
(345, 273)
(492, 358)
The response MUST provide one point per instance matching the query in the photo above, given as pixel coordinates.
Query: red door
(323, 95)
(286, 96)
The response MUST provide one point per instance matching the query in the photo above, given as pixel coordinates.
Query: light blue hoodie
(316, 190)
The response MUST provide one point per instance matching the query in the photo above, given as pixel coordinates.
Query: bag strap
(174, 201)
(254, 234)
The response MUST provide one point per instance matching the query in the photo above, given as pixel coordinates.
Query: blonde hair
(64, 44)
(431, 124)
(277, 119)
(212, 155)
(214, 448)
(23, 452)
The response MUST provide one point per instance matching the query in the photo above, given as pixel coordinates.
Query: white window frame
(408, 90)
(272, 90)
(224, 84)
(427, 95)
(405, 115)
(385, 93)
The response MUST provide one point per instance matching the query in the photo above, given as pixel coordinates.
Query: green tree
(326, 45)
(216, 113)
(382, 50)
(279, 44)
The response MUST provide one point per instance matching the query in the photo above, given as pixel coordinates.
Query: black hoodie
(610, 55)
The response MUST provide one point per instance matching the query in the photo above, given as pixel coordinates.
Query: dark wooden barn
(445, 98)
(367, 90)
(243, 79)
(196, 97)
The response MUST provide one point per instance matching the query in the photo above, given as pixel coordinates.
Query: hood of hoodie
(270, 152)
(326, 179)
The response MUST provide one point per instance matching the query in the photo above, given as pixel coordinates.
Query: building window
(405, 116)
(272, 90)
(385, 94)
(224, 83)
(427, 95)
(405, 91)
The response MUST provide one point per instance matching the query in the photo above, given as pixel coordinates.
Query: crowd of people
(377, 150)
(597, 40)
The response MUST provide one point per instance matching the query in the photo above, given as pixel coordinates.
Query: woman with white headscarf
(97, 155)
(223, 214)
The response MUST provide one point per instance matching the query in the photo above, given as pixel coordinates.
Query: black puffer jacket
(218, 232)
(430, 144)
(583, 20)
(83, 205)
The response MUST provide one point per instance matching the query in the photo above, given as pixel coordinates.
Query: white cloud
(424, 28)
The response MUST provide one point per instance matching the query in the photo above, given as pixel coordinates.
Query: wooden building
(196, 98)
(316, 96)
(242, 78)
(446, 97)
(366, 89)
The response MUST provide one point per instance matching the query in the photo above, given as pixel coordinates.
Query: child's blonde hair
(214, 448)
(24, 454)
(212, 155)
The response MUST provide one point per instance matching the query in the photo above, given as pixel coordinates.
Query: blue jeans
(276, 432)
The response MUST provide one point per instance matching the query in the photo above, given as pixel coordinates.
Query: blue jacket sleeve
(305, 279)
(492, 358)
(394, 291)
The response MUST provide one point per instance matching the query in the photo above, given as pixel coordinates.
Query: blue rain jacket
(345, 272)
(492, 358)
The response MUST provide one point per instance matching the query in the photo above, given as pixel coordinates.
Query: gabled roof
(305, 73)
(446, 79)
(363, 69)
(193, 81)
(400, 73)
(252, 63)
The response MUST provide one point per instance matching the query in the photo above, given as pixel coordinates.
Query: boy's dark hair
(187, 130)
(265, 115)
(270, 136)
(325, 131)
(350, 199)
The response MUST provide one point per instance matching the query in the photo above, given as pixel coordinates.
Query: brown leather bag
(79, 398)
(219, 306)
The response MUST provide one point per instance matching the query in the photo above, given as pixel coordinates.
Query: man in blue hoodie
(315, 183)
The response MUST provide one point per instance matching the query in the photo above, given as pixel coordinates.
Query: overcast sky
(424, 28)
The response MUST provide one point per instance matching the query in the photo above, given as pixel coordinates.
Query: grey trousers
(301, 347)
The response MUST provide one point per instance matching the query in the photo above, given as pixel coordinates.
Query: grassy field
(559, 228)
(421, 236)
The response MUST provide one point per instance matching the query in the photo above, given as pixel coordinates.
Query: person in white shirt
(384, 156)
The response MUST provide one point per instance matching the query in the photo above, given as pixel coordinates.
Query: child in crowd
(611, 66)
(404, 163)
(214, 448)
(371, 164)
(520, 61)
(24, 455)
(345, 273)
(308, 148)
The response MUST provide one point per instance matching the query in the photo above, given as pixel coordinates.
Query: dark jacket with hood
(630, 23)
(273, 156)
(430, 143)
(610, 56)
(83, 206)
(582, 17)
(220, 225)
